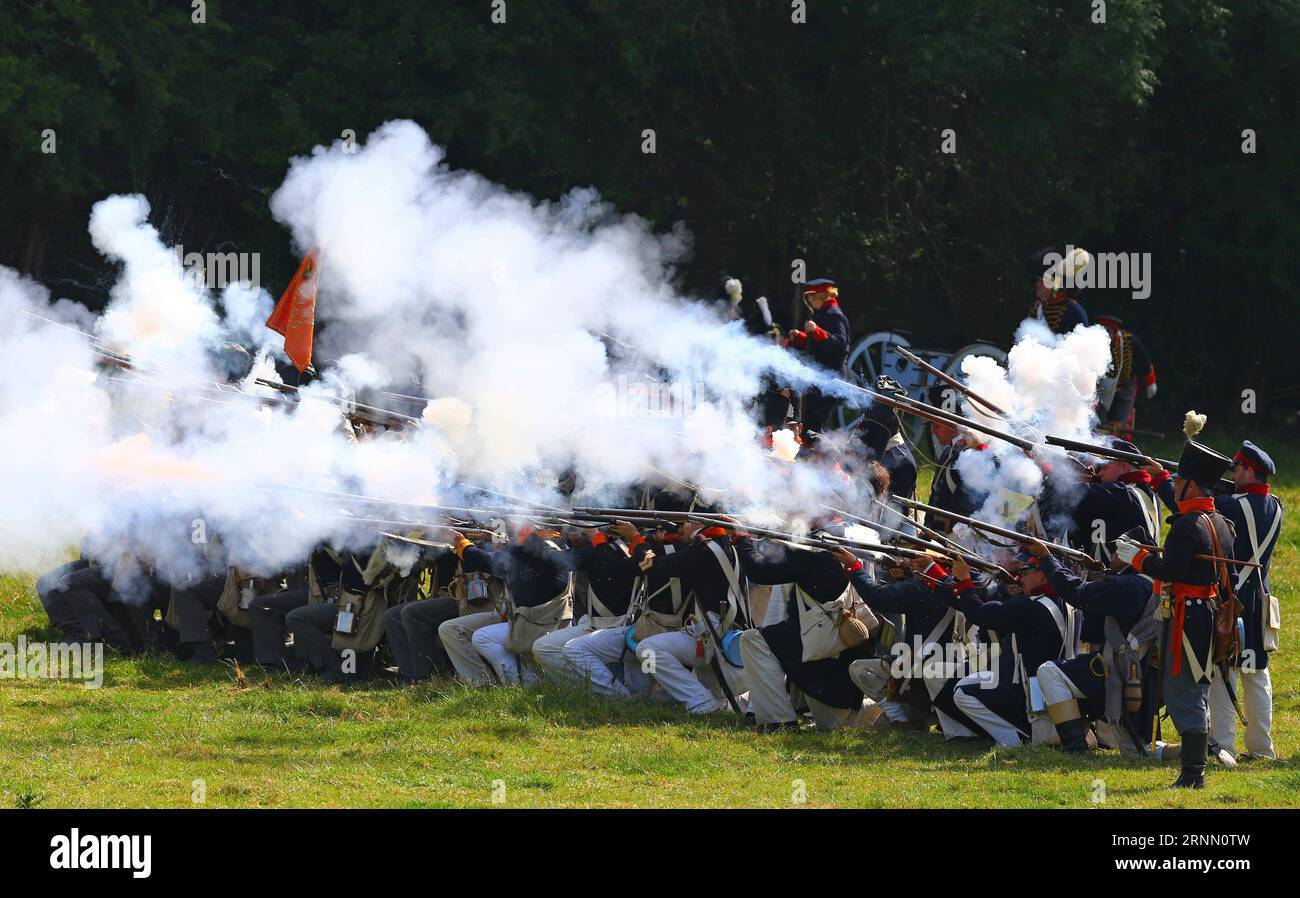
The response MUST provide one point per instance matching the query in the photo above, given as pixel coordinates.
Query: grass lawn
(156, 728)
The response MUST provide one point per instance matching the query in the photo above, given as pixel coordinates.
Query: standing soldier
(1054, 291)
(1194, 595)
(1256, 515)
(825, 338)
(1130, 364)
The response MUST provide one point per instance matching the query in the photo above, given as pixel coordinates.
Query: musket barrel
(1056, 548)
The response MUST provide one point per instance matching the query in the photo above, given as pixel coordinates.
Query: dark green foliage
(776, 141)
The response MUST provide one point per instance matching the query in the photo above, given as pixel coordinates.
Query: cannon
(877, 354)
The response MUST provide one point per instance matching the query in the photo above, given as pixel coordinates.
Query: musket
(930, 413)
(372, 415)
(332, 495)
(416, 525)
(936, 415)
(948, 550)
(1200, 557)
(952, 381)
(1057, 549)
(650, 512)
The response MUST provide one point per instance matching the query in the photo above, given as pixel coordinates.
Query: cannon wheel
(954, 369)
(865, 363)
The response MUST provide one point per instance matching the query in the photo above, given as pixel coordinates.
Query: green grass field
(157, 728)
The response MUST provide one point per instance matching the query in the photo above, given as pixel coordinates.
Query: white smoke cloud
(1048, 386)
(499, 303)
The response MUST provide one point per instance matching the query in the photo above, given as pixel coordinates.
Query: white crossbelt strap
(674, 585)
(734, 592)
(1256, 547)
(1149, 512)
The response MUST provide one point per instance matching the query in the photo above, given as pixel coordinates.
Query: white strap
(1062, 625)
(1256, 548)
(1149, 512)
(734, 592)
(939, 628)
(674, 585)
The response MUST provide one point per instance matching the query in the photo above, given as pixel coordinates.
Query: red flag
(294, 316)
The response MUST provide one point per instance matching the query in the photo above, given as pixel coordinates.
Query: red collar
(1044, 590)
(1255, 489)
(1134, 477)
(831, 303)
(1202, 503)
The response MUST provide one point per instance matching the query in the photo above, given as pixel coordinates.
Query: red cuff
(966, 584)
(819, 334)
(798, 338)
(1150, 378)
(935, 566)
(599, 539)
(1140, 557)
(855, 566)
(636, 541)
(1160, 477)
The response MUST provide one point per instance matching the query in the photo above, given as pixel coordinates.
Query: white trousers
(596, 655)
(1004, 733)
(1056, 686)
(456, 636)
(671, 660)
(1255, 692)
(765, 680)
(490, 641)
(548, 650)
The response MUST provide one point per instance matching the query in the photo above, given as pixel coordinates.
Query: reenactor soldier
(51, 590)
(682, 661)
(947, 490)
(1195, 593)
(919, 590)
(825, 337)
(1120, 501)
(1055, 302)
(1111, 672)
(412, 627)
(606, 580)
(661, 608)
(1130, 368)
(883, 437)
(268, 612)
(1256, 515)
(539, 591)
(1032, 628)
(783, 651)
(335, 581)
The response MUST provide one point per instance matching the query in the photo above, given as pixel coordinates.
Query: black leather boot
(1070, 726)
(1074, 736)
(1193, 758)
